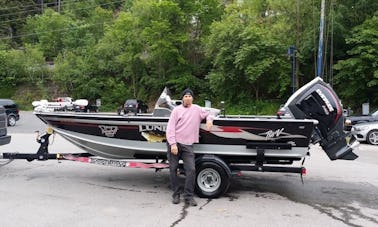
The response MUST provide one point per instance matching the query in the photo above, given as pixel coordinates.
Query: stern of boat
(317, 100)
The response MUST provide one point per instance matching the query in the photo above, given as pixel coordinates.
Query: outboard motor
(317, 100)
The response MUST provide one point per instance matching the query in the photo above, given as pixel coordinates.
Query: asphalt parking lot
(49, 193)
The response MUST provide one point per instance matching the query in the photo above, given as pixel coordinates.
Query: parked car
(134, 106)
(62, 103)
(366, 132)
(4, 138)
(88, 108)
(352, 120)
(83, 105)
(11, 110)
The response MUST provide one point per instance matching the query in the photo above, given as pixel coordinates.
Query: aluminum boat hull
(123, 137)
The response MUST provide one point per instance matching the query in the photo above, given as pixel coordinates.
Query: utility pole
(321, 34)
(59, 6)
(298, 32)
(291, 52)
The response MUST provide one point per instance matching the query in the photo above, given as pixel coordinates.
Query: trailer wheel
(211, 180)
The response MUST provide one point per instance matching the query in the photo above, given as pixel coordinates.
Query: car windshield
(6, 102)
(131, 102)
(375, 114)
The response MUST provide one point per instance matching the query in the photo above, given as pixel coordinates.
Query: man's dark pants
(185, 152)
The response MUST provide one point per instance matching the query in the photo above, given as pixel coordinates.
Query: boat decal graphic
(239, 133)
(148, 128)
(279, 134)
(152, 137)
(232, 133)
(108, 131)
(326, 101)
(275, 133)
(153, 133)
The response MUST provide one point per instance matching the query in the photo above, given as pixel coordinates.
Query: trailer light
(304, 171)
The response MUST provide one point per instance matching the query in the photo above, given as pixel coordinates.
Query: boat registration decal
(108, 131)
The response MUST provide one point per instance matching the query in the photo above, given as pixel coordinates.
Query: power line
(19, 12)
(37, 4)
(23, 6)
(76, 9)
(74, 2)
(56, 30)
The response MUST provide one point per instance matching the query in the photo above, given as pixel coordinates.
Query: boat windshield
(164, 100)
(164, 105)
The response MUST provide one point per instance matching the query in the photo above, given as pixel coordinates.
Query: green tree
(47, 31)
(11, 67)
(36, 70)
(13, 16)
(145, 47)
(357, 76)
(248, 60)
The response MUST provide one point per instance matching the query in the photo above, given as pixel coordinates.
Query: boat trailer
(43, 155)
(213, 173)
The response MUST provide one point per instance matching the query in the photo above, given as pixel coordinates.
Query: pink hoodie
(184, 123)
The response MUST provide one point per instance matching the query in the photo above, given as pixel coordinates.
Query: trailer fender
(215, 159)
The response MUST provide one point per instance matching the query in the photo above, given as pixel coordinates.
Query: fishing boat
(316, 117)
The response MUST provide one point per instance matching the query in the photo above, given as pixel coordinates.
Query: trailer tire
(212, 180)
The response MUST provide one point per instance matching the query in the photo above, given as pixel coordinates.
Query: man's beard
(186, 104)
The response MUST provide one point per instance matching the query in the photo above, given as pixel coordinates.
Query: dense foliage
(224, 50)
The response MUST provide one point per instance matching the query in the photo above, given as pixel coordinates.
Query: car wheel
(11, 120)
(372, 137)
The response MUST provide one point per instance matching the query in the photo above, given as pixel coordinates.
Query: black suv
(4, 138)
(135, 106)
(11, 110)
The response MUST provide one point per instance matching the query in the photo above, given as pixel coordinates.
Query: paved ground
(334, 193)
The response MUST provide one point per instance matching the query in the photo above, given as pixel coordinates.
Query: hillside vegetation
(234, 51)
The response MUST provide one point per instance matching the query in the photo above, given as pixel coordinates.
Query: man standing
(182, 132)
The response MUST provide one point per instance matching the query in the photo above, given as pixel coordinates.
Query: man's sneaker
(190, 202)
(176, 199)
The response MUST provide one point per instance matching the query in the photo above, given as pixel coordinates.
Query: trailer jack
(42, 153)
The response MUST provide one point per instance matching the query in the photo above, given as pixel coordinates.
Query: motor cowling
(317, 100)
